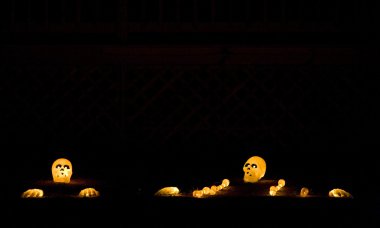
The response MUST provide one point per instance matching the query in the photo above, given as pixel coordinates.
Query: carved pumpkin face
(62, 170)
(254, 169)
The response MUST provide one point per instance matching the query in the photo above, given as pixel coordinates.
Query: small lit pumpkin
(167, 191)
(88, 193)
(254, 169)
(339, 193)
(304, 192)
(225, 183)
(281, 183)
(273, 190)
(206, 190)
(197, 193)
(33, 193)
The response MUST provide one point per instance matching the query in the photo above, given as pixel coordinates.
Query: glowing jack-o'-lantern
(33, 193)
(273, 190)
(281, 183)
(225, 183)
(340, 193)
(88, 193)
(62, 170)
(167, 191)
(206, 190)
(197, 193)
(254, 169)
(304, 192)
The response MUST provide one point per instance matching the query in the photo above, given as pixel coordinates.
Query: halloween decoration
(281, 183)
(206, 190)
(211, 190)
(254, 169)
(88, 192)
(167, 191)
(33, 193)
(62, 170)
(273, 190)
(225, 183)
(198, 193)
(304, 192)
(337, 192)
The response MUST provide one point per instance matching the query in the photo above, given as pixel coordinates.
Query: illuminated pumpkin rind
(273, 190)
(88, 193)
(33, 193)
(206, 190)
(197, 193)
(339, 193)
(281, 183)
(167, 191)
(225, 183)
(304, 192)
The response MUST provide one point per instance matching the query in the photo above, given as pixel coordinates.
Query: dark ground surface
(129, 202)
(138, 210)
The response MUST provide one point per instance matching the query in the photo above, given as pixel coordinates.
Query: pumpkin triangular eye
(254, 166)
(58, 166)
(66, 167)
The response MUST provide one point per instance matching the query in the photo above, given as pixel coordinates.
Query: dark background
(144, 94)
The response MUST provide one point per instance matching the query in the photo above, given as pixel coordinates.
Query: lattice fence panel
(62, 103)
(262, 104)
